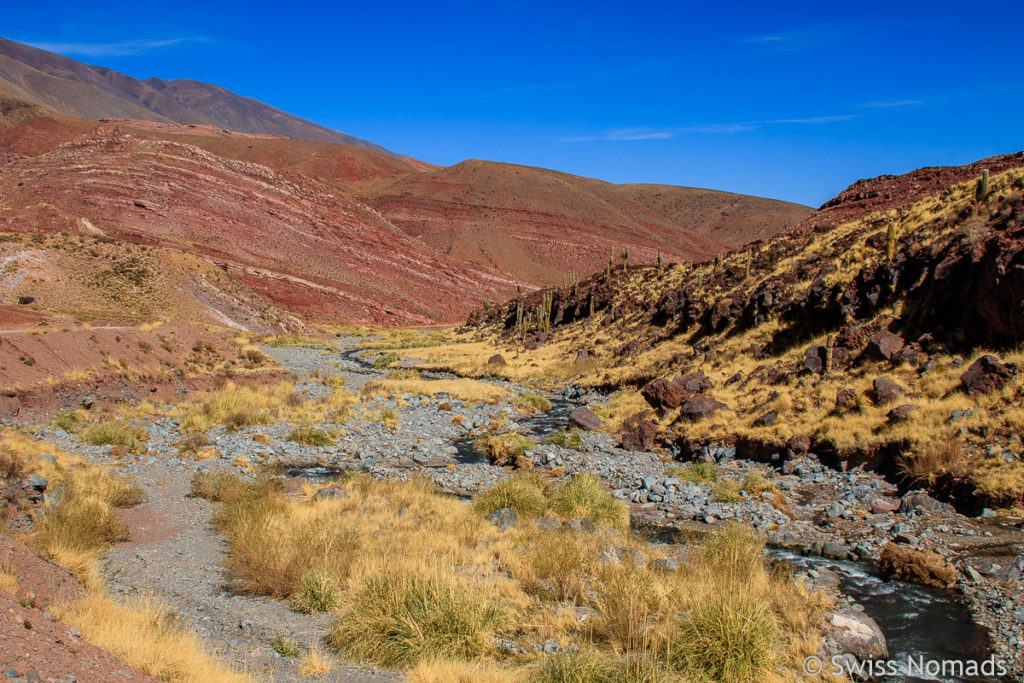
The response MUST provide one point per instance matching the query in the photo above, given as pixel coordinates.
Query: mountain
(537, 225)
(79, 90)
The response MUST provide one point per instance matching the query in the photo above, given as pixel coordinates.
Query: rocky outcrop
(699, 407)
(986, 375)
(638, 432)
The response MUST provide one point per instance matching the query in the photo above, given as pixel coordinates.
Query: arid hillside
(889, 340)
(537, 224)
(91, 92)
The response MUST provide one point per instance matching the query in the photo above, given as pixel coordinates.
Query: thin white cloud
(634, 134)
(121, 49)
(897, 103)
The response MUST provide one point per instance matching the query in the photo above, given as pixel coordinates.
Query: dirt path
(176, 557)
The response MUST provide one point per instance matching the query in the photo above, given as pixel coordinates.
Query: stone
(505, 518)
(902, 413)
(695, 382)
(834, 550)
(987, 374)
(886, 390)
(585, 419)
(884, 346)
(581, 355)
(548, 524)
(846, 401)
(919, 566)
(797, 446)
(880, 507)
(665, 394)
(857, 634)
(331, 492)
(664, 564)
(814, 359)
(699, 407)
(639, 431)
(496, 359)
(767, 419)
(35, 483)
(920, 500)
(25, 300)
(1012, 571)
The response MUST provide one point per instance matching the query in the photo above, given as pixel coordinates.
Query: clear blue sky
(786, 100)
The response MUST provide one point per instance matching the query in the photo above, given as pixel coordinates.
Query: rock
(919, 566)
(797, 446)
(665, 394)
(665, 564)
(920, 500)
(695, 382)
(25, 300)
(330, 492)
(814, 359)
(835, 551)
(581, 355)
(584, 418)
(504, 518)
(496, 359)
(48, 458)
(699, 407)
(639, 431)
(886, 390)
(35, 483)
(846, 401)
(1012, 571)
(880, 507)
(857, 634)
(986, 375)
(884, 346)
(767, 419)
(620, 555)
(548, 524)
(902, 413)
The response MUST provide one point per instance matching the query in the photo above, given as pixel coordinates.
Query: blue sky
(787, 100)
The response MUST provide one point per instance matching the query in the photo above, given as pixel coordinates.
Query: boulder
(496, 359)
(505, 518)
(846, 401)
(920, 500)
(857, 634)
(25, 300)
(699, 407)
(767, 419)
(884, 346)
(638, 432)
(695, 382)
(665, 394)
(880, 507)
(920, 566)
(1012, 571)
(987, 374)
(814, 359)
(887, 390)
(902, 413)
(584, 418)
(797, 446)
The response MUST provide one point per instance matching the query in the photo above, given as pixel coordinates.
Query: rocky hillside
(887, 340)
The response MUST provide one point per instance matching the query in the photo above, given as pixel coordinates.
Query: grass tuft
(522, 492)
(586, 495)
(311, 436)
(116, 433)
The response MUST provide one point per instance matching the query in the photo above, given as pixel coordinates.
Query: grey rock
(505, 518)
(585, 419)
(664, 564)
(859, 635)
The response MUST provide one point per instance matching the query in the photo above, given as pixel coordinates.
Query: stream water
(918, 622)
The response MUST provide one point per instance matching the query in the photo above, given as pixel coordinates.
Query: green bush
(116, 433)
(385, 361)
(728, 638)
(402, 619)
(695, 472)
(585, 495)
(311, 437)
(572, 438)
(531, 400)
(523, 493)
(318, 591)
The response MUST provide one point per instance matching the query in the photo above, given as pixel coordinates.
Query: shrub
(70, 420)
(585, 495)
(590, 666)
(571, 438)
(311, 437)
(695, 472)
(318, 591)
(116, 433)
(531, 401)
(384, 361)
(285, 646)
(523, 493)
(504, 449)
(728, 637)
(726, 491)
(754, 483)
(399, 620)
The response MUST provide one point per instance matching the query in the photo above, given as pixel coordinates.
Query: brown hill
(80, 90)
(539, 225)
(891, 341)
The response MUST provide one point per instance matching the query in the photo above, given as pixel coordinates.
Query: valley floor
(846, 518)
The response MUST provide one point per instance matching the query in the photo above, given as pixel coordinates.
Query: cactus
(625, 257)
(829, 346)
(982, 191)
(519, 290)
(591, 305)
(890, 242)
(718, 261)
(659, 259)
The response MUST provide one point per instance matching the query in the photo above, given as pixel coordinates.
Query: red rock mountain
(327, 230)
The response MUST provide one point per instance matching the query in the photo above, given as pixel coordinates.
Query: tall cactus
(625, 257)
(890, 242)
(659, 259)
(982, 191)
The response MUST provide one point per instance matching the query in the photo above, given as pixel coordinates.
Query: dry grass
(461, 389)
(316, 663)
(424, 583)
(147, 638)
(237, 406)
